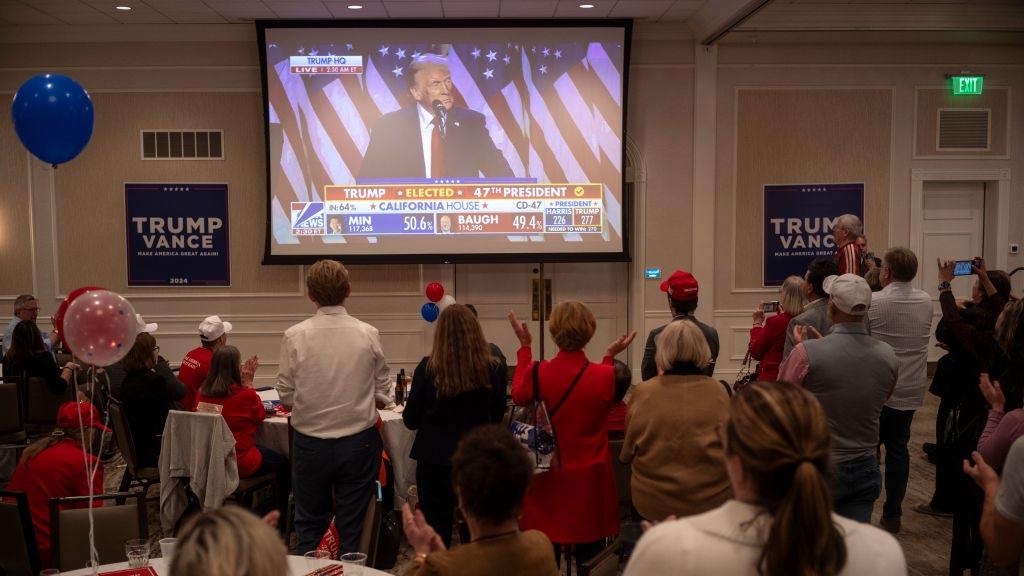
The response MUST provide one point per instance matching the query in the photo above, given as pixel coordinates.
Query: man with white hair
(845, 233)
(432, 138)
(26, 307)
(852, 375)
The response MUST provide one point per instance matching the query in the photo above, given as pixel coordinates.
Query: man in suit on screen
(432, 138)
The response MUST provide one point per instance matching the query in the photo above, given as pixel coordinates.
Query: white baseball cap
(143, 327)
(212, 327)
(850, 293)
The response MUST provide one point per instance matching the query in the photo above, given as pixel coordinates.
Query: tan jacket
(527, 553)
(678, 464)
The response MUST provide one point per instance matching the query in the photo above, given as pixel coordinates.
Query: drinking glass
(167, 548)
(316, 559)
(137, 551)
(353, 563)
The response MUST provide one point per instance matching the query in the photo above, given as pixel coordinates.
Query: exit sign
(964, 85)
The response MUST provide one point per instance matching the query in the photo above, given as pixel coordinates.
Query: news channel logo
(308, 219)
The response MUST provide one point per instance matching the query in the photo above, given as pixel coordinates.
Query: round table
(297, 566)
(398, 439)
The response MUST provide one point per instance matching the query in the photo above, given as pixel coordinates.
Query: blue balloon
(430, 311)
(53, 117)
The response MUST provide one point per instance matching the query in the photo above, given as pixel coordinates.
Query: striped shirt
(901, 316)
(849, 259)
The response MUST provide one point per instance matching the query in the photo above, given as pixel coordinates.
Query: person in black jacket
(147, 397)
(460, 386)
(28, 357)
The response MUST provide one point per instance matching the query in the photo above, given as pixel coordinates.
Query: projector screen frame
(262, 25)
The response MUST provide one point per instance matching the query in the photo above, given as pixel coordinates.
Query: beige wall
(862, 91)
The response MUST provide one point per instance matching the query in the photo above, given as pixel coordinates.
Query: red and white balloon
(100, 327)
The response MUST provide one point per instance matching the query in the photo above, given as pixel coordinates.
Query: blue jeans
(855, 487)
(333, 476)
(894, 434)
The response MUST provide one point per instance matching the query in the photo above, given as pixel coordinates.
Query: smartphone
(769, 307)
(963, 268)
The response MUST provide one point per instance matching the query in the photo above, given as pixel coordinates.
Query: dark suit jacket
(649, 369)
(396, 147)
(442, 422)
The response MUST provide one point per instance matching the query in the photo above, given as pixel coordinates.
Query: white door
(953, 228)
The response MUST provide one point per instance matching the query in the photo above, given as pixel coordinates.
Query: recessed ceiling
(91, 12)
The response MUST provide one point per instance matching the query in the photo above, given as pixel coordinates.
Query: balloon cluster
(98, 326)
(53, 116)
(438, 301)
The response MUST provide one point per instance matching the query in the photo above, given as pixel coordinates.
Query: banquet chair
(133, 474)
(12, 423)
(69, 528)
(606, 563)
(18, 553)
(41, 405)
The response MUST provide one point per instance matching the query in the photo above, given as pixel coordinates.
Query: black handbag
(746, 375)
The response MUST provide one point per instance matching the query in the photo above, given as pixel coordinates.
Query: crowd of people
(775, 476)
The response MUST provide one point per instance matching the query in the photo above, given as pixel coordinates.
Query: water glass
(167, 548)
(316, 559)
(137, 551)
(353, 563)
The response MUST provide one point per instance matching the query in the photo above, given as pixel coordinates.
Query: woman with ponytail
(780, 522)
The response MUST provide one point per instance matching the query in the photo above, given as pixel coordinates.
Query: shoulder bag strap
(551, 413)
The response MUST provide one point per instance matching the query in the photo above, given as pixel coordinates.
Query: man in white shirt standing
(332, 371)
(901, 316)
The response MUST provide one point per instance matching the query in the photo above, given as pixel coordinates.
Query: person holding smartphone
(768, 335)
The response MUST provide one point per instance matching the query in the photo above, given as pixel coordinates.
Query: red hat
(681, 286)
(68, 416)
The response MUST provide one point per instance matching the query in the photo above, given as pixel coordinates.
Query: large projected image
(445, 144)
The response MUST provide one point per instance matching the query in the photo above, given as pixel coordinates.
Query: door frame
(996, 179)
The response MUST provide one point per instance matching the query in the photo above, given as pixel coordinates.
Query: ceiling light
(123, 7)
(355, 6)
(586, 5)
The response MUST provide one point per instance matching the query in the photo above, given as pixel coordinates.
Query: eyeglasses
(156, 349)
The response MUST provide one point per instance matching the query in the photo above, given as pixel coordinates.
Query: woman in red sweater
(228, 391)
(576, 502)
(57, 467)
(768, 337)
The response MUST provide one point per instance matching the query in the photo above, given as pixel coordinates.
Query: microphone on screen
(442, 114)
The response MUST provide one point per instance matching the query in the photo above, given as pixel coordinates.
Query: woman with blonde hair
(576, 501)
(460, 386)
(768, 336)
(229, 541)
(675, 456)
(777, 447)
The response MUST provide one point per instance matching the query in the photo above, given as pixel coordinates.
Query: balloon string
(91, 467)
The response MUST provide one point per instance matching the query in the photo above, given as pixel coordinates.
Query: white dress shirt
(332, 367)
(729, 539)
(901, 316)
(426, 133)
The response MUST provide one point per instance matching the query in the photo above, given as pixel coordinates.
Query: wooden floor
(925, 539)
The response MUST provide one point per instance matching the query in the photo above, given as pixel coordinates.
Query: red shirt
(57, 472)
(617, 419)
(194, 368)
(767, 344)
(849, 259)
(243, 411)
(577, 502)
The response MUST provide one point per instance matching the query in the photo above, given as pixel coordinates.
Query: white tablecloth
(273, 434)
(296, 567)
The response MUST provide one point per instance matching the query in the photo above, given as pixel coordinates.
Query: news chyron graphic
(461, 141)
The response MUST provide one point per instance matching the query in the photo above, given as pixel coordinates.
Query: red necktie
(436, 151)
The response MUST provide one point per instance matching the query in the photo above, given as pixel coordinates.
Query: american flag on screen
(553, 110)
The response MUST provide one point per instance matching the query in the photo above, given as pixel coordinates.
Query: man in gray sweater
(852, 375)
(816, 310)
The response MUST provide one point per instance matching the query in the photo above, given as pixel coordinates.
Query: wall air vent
(964, 129)
(182, 145)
